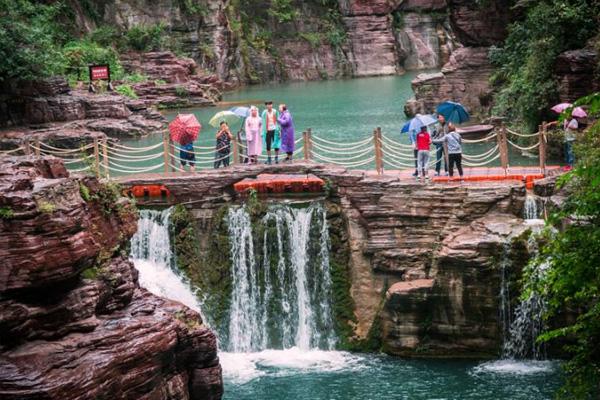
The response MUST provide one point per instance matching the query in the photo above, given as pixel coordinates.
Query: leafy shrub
(81, 53)
(135, 78)
(126, 90)
(106, 36)
(6, 213)
(30, 40)
(146, 37)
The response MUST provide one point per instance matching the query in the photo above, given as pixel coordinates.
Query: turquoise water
(319, 375)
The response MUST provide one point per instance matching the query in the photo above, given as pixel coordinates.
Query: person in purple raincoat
(287, 132)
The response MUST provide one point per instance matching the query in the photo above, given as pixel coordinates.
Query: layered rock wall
(74, 323)
(424, 259)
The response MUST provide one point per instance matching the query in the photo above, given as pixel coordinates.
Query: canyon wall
(424, 260)
(74, 323)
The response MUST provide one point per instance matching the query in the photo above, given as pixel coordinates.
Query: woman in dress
(253, 129)
(287, 132)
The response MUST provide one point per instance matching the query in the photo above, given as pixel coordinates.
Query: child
(223, 146)
(423, 145)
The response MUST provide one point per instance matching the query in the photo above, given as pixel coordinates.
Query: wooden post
(376, 148)
(37, 147)
(306, 145)
(236, 150)
(27, 148)
(96, 158)
(166, 152)
(542, 149)
(172, 156)
(105, 157)
(309, 131)
(380, 147)
(503, 147)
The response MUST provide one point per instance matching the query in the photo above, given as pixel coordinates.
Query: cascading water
(530, 210)
(152, 256)
(282, 296)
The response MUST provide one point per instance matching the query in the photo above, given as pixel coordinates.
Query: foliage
(46, 207)
(30, 39)
(572, 281)
(6, 213)
(313, 38)
(105, 36)
(126, 90)
(135, 78)
(193, 7)
(181, 91)
(107, 197)
(81, 53)
(146, 37)
(282, 10)
(84, 191)
(525, 62)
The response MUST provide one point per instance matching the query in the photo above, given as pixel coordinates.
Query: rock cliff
(424, 260)
(74, 323)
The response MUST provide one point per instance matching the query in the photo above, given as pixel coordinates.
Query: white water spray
(152, 256)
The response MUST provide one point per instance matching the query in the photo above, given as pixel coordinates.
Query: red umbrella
(184, 128)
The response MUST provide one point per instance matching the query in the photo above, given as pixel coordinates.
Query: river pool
(330, 375)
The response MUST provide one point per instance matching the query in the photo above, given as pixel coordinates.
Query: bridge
(376, 155)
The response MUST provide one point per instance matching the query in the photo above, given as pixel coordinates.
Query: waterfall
(152, 256)
(531, 208)
(521, 328)
(282, 296)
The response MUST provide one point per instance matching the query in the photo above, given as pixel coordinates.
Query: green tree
(30, 39)
(525, 63)
(572, 281)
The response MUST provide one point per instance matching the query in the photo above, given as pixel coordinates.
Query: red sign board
(99, 72)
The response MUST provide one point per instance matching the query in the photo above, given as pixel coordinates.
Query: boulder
(576, 71)
(74, 323)
(465, 79)
(480, 23)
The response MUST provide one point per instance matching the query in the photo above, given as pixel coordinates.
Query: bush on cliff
(30, 40)
(525, 62)
(572, 281)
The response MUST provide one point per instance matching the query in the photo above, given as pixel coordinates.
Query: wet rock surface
(436, 247)
(74, 323)
(576, 71)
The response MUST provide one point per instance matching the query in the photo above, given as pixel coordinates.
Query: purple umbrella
(559, 108)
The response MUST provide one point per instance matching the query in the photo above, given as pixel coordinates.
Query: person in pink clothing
(253, 129)
(423, 146)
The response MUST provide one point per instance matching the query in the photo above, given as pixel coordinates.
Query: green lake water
(342, 111)
(321, 375)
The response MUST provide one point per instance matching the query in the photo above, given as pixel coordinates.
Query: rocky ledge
(74, 323)
(425, 261)
(51, 111)
(172, 81)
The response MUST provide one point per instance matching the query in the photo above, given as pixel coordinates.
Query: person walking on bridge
(412, 136)
(423, 147)
(253, 127)
(454, 142)
(288, 133)
(270, 132)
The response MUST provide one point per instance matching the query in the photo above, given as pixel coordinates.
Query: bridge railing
(379, 151)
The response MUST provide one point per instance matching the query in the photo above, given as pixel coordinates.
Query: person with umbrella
(454, 143)
(570, 126)
(440, 131)
(287, 132)
(243, 113)
(412, 127)
(253, 128)
(223, 146)
(270, 131)
(184, 129)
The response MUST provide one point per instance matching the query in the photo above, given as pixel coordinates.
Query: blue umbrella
(453, 112)
(405, 127)
(420, 121)
(242, 112)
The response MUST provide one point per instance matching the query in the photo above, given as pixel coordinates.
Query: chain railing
(104, 157)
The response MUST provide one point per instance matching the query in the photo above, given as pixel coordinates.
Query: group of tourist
(447, 142)
(273, 130)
